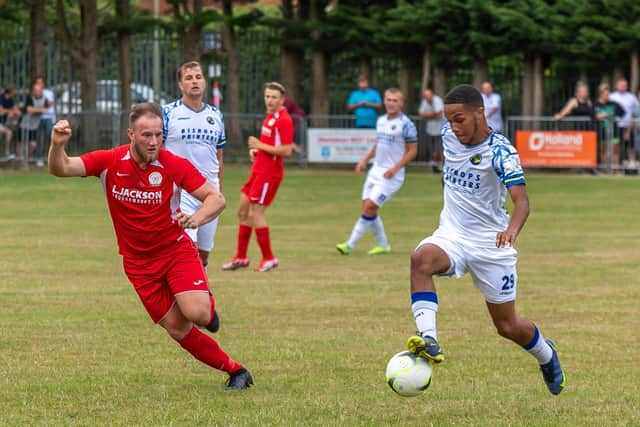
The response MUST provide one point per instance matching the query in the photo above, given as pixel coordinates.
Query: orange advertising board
(557, 148)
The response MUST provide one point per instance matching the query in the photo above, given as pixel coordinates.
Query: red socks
(244, 235)
(262, 235)
(206, 349)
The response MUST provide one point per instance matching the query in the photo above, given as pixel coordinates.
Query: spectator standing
(259, 191)
(492, 107)
(579, 105)
(364, 103)
(396, 146)
(606, 112)
(36, 105)
(431, 108)
(46, 119)
(195, 130)
(628, 101)
(159, 259)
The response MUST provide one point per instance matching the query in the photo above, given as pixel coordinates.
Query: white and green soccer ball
(408, 374)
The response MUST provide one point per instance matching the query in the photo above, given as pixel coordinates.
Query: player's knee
(506, 329)
(422, 262)
(200, 314)
(177, 330)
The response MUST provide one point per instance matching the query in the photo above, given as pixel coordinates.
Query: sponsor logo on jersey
(266, 131)
(475, 159)
(133, 195)
(183, 118)
(210, 120)
(462, 180)
(155, 178)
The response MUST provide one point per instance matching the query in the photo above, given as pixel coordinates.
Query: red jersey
(143, 202)
(277, 130)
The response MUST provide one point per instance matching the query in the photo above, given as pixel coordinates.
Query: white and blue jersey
(195, 135)
(392, 135)
(476, 179)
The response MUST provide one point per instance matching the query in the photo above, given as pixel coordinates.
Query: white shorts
(493, 269)
(203, 236)
(379, 189)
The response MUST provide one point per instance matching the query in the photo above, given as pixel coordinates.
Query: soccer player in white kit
(475, 233)
(194, 130)
(396, 146)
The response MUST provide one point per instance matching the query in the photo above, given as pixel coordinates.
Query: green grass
(77, 348)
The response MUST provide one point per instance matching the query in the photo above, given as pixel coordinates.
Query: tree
(233, 66)
(37, 31)
(525, 26)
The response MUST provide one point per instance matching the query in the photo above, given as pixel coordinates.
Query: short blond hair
(275, 86)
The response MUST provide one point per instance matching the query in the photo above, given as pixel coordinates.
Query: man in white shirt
(396, 146)
(492, 107)
(46, 119)
(629, 102)
(477, 235)
(194, 130)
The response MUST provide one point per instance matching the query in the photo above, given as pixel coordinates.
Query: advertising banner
(328, 145)
(561, 148)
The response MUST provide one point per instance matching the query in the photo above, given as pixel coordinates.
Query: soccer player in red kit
(142, 185)
(258, 192)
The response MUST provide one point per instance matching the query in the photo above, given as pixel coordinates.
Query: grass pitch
(77, 347)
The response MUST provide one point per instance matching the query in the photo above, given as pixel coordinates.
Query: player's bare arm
(362, 164)
(281, 151)
(410, 153)
(59, 163)
(213, 203)
(520, 198)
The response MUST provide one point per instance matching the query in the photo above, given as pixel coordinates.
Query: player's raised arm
(59, 163)
(213, 203)
(520, 198)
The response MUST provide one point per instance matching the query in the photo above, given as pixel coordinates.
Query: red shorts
(261, 188)
(158, 280)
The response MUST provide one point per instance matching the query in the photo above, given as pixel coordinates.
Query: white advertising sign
(328, 145)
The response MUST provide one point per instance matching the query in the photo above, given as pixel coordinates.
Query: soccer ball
(408, 374)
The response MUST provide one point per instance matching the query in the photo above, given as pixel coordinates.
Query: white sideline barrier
(336, 145)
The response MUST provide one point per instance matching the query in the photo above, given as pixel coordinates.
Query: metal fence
(99, 130)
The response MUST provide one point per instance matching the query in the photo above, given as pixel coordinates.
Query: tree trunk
(83, 50)
(319, 61)
(320, 93)
(124, 67)
(618, 73)
(538, 77)
(480, 73)
(527, 86)
(634, 77)
(364, 67)
(408, 75)
(37, 33)
(234, 132)
(426, 68)
(291, 65)
(439, 81)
